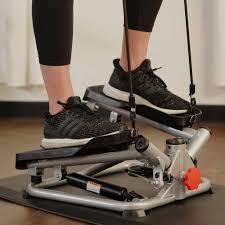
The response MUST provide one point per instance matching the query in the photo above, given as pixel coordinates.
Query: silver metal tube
(169, 130)
(98, 202)
(50, 183)
(190, 131)
(156, 157)
(90, 159)
(121, 167)
(174, 132)
(196, 144)
(93, 170)
(108, 204)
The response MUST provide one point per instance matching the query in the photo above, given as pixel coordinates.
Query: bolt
(156, 183)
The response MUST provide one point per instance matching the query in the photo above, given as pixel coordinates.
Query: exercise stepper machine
(173, 172)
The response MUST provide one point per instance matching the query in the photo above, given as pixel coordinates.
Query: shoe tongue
(74, 99)
(145, 66)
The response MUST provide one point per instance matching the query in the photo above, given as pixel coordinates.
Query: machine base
(205, 209)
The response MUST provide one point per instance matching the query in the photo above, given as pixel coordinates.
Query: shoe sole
(64, 143)
(124, 96)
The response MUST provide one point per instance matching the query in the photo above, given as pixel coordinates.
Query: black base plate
(205, 209)
(95, 93)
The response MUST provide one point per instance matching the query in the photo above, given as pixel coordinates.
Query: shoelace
(154, 78)
(72, 106)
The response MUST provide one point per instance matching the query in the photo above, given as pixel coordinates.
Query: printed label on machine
(93, 187)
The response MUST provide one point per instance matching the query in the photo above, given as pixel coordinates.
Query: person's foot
(149, 89)
(76, 125)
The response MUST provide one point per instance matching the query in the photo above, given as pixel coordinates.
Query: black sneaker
(149, 89)
(76, 125)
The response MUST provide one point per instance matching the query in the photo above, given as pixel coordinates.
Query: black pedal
(95, 94)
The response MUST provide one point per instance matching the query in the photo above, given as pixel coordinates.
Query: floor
(17, 135)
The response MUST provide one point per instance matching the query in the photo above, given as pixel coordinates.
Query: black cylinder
(141, 144)
(96, 186)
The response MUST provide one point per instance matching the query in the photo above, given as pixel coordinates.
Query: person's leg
(139, 41)
(68, 122)
(148, 88)
(58, 85)
(141, 19)
(53, 28)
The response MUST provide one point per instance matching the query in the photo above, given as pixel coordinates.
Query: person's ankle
(54, 107)
(134, 64)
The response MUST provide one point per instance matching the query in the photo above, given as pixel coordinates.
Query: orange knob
(192, 179)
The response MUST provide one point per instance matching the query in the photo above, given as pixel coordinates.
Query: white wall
(98, 33)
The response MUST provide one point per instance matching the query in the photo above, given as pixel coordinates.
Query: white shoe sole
(63, 143)
(124, 96)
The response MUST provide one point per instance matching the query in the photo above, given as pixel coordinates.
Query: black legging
(53, 26)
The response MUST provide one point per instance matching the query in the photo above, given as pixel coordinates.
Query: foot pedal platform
(98, 145)
(95, 94)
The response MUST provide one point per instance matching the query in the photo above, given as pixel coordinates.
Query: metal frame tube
(169, 130)
(156, 157)
(196, 144)
(91, 171)
(107, 204)
(95, 202)
(121, 167)
(156, 125)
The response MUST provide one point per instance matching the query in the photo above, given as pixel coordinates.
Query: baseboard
(211, 113)
(23, 109)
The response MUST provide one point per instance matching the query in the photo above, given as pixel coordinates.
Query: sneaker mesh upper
(79, 123)
(147, 85)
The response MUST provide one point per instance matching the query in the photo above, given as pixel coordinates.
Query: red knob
(192, 178)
